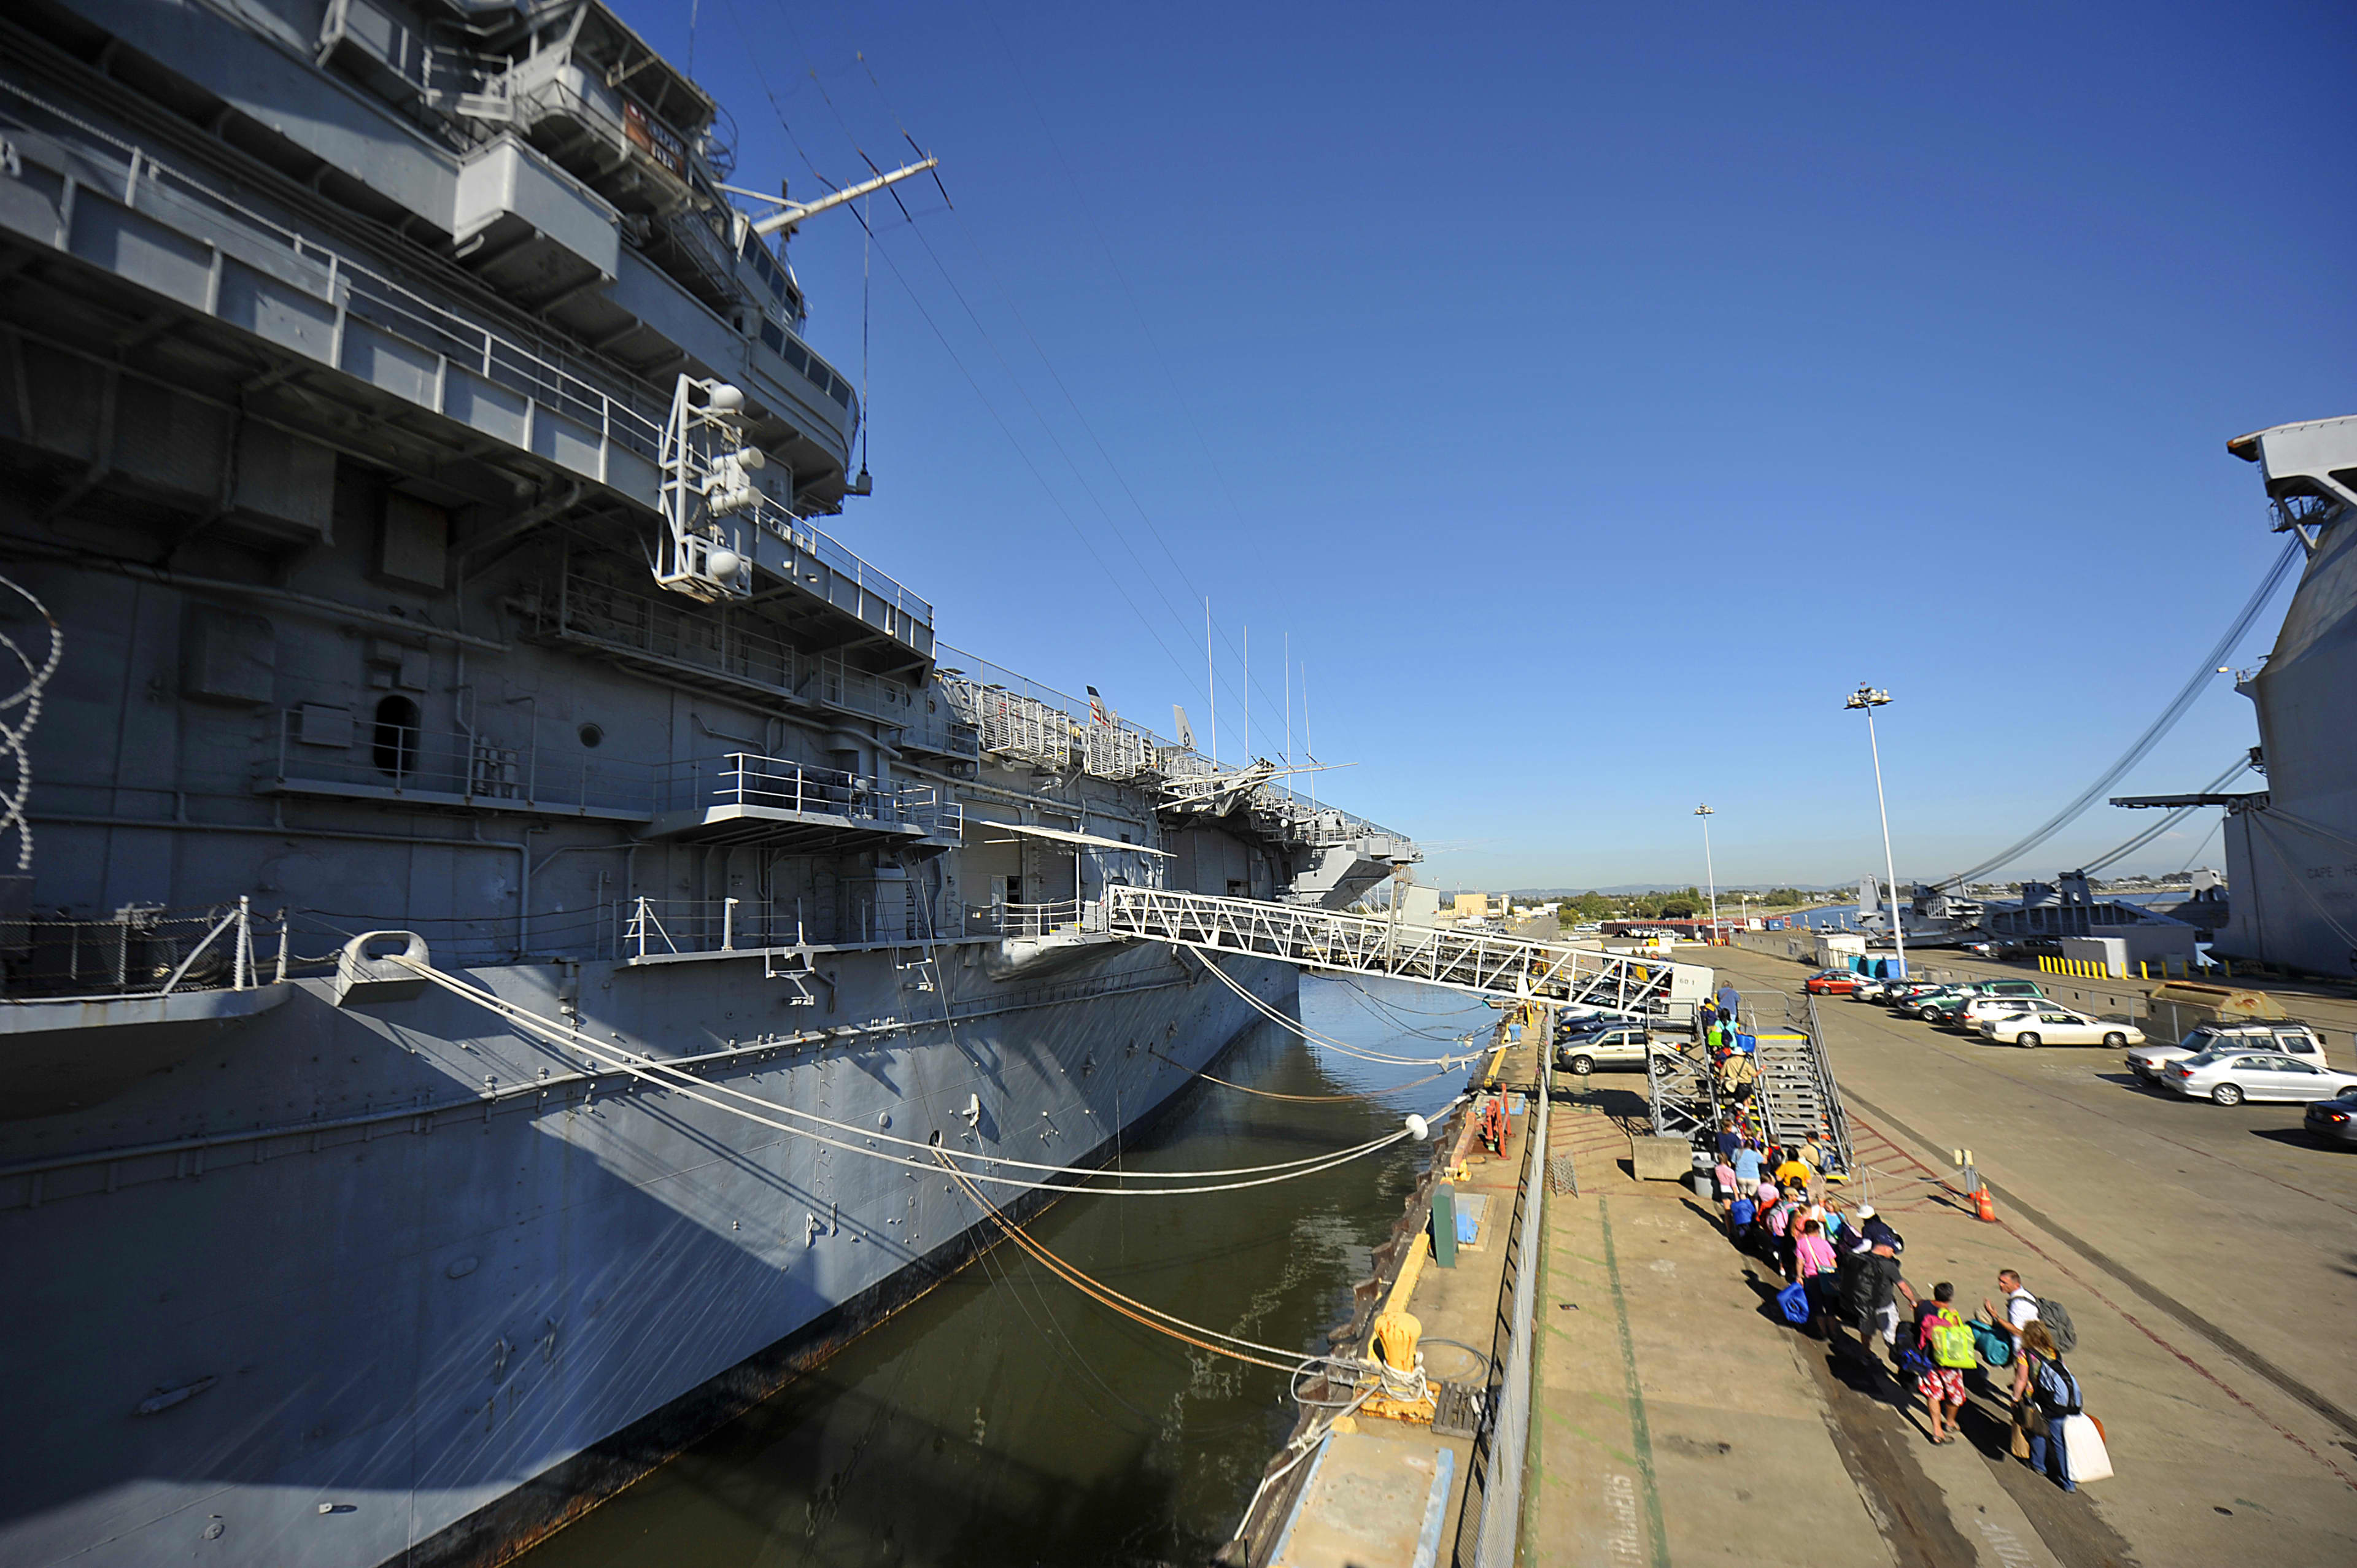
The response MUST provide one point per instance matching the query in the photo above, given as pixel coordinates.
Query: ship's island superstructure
(417, 460)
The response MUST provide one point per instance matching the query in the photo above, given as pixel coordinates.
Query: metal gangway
(1793, 1096)
(1486, 964)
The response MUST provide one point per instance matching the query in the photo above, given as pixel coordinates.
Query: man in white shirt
(2020, 1305)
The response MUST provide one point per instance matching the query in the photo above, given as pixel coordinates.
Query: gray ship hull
(376, 1293)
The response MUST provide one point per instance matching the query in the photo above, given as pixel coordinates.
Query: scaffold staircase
(1485, 963)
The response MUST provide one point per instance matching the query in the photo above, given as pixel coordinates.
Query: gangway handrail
(1837, 1115)
(1484, 963)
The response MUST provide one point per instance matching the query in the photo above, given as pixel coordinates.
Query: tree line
(1681, 904)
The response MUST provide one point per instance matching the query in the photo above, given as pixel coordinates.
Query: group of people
(1733, 1067)
(1843, 1281)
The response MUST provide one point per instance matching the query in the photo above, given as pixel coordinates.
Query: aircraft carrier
(449, 753)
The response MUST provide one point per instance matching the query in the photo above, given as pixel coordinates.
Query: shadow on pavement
(2296, 1137)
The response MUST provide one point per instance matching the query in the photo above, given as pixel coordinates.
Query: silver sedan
(2229, 1077)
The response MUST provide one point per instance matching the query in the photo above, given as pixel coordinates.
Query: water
(1004, 1419)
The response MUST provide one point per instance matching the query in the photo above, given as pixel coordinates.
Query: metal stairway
(1797, 1094)
(1485, 963)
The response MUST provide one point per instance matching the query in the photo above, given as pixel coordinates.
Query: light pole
(1710, 873)
(1867, 699)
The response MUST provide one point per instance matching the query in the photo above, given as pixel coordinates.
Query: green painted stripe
(1525, 1531)
(1640, 1433)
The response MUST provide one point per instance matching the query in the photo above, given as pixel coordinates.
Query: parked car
(1621, 1046)
(1898, 993)
(2151, 1062)
(1915, 1003)
(1969, 1013)
(1950, 1009)
(2230, 1077)
(2052, 1026)
(2334, 1120)
(1832, 982)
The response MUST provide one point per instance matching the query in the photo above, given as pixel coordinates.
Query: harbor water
(1004, 1419)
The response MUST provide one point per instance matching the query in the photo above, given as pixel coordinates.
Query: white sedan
(2052, 1026)
(2229, 1078)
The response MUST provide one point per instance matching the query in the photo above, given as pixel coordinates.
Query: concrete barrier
(1662, 1159)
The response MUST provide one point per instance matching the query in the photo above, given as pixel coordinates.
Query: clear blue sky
(1593, 394)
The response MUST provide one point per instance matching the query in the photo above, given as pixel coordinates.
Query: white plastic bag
(2085, 1457)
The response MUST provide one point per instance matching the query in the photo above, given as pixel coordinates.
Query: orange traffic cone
(1983, 1205)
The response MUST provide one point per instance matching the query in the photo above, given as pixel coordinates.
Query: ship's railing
(1032, 722)
(145, 949)
(326, 749)
(875, 910)
(620, 409)
(1021, 718)
(1322, 825)
(738, 648)
(749, 780)
(1060, 916)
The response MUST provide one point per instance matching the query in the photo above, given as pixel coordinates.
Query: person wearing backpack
(2022, 1309)
(1942, 1337)
(1871, 1283)
(2044, 1391)
(1739, 1215)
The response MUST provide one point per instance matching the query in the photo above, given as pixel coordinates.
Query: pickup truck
(1624, 1046)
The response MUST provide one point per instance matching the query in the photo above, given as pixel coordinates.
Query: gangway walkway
(1486, 964)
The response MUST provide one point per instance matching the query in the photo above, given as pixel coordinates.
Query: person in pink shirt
(1813, 1266)
(1811, 1253)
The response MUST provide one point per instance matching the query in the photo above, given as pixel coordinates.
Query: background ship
(411, 468)
(2291, 849)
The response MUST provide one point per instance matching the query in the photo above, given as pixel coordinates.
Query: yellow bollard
(2229, 967)
(2140, 971)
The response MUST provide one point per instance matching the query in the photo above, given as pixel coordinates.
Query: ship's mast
(790, 213)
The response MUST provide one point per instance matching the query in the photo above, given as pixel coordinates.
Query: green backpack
(1951, 1342)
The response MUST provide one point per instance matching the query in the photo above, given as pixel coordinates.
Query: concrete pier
(2204, 1253)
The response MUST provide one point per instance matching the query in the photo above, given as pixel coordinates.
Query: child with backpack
(1946, 1345)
